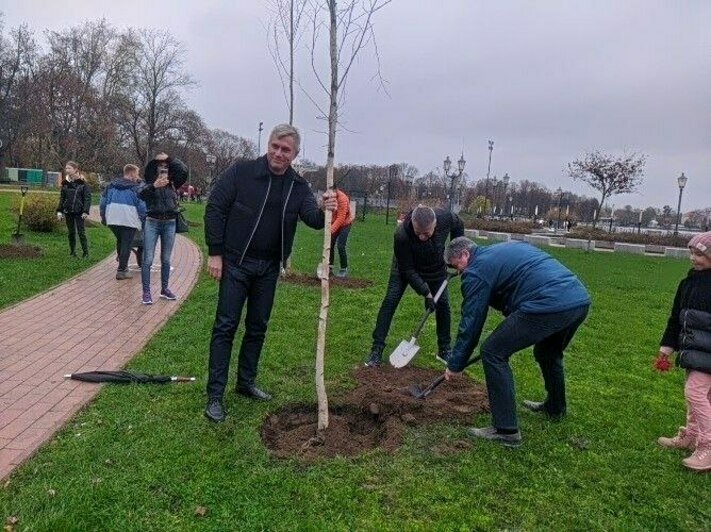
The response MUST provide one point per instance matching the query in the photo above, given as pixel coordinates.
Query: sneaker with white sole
(700, 460)
(147, 299)
(167, 294)
(682, 440)
(490, 433)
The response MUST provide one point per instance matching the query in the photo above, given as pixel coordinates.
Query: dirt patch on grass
(373, 415)
(20, 251)
(311, 280)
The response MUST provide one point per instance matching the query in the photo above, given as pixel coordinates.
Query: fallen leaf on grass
(51, 492)
(10, 523)
(200, 511)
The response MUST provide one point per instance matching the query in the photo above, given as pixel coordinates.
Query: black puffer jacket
(419, 261)
(163, 201)
(75, 197)
(236, 204)
(689, 326)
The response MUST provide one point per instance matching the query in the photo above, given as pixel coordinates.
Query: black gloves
(430, 304)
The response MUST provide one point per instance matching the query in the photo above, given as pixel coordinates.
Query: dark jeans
(254, 281)
(549, 334)
(396, 288)
(340, 240)
(75, 224)
(124, 238)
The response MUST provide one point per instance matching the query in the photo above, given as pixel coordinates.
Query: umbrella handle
(182, 379)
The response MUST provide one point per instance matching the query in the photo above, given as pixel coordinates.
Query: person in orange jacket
(340, 228)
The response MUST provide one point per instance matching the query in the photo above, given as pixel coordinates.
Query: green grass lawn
(144, 458)
(23, 278)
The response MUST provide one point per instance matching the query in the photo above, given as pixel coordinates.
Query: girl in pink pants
(688, 333)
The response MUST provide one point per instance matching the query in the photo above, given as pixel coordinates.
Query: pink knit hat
(702, 242)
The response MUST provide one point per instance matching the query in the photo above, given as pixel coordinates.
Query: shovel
(423, 393)
(407, 349)
(17, 236)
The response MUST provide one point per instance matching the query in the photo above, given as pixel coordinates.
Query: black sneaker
(214, 411)
(376, 358)
(443, 355)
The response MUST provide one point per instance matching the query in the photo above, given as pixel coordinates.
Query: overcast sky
(545, 80)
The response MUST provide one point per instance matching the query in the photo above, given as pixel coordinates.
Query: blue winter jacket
(511, 277)
(120, 204)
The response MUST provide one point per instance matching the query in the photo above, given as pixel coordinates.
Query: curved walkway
(90, 322)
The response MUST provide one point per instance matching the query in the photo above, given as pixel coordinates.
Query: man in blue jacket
(544, 304)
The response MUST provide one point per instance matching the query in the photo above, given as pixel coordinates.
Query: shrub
(40, 212)
(503, 226)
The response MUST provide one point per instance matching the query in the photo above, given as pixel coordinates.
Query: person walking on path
(340, 228)
(74, 205)
(688, 332)
(123, 211)
(418, 261)
(544, 304)
(250, 222)
(163, 177)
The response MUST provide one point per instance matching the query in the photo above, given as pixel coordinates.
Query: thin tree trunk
(291, 62)
(325, 292)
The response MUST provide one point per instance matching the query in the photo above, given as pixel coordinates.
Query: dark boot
(375, 358)
(214, 411)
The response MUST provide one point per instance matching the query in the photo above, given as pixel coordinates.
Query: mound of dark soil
(374, 414)
(307, 280)
(19, 251)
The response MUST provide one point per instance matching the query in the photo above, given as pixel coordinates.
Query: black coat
(74, 197)
(236, 202)
(689, 326)
(163, 201)
(417, 261)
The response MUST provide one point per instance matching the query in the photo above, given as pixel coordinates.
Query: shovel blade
(404, 352)
(18, 238)
(416, 391)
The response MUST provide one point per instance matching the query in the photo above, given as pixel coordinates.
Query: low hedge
(675, 241)
(499, 226)
(39, 213)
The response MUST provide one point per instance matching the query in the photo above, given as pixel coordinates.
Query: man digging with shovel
(418, 261)
(544, 304)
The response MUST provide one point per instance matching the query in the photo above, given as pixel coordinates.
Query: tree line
(103, 97)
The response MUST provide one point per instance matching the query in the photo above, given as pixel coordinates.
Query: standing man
(418, 262)
(544, 304)
(74, 205)
(250, 221)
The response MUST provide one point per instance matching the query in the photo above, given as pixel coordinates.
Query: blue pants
(549, 334)
(154, 229)
(253, 282)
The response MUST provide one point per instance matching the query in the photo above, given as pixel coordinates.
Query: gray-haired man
(544, 304)
(250, 221)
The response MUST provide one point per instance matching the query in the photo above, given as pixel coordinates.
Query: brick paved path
(105, 326)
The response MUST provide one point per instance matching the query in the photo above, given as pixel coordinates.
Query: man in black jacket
(250, 221)
(419, 249)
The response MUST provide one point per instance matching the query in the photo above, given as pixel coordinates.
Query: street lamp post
(488, 172)
(392, 173)
(560, 199)
(259, 140)
(453, 176)
(681, 180)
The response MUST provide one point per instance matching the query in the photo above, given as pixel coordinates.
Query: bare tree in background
(17, 55)
(350, 29)
(155, 103)
(608, 174)
(285, 29)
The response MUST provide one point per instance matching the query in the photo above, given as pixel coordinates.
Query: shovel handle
(439, 380)
(436, 298)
